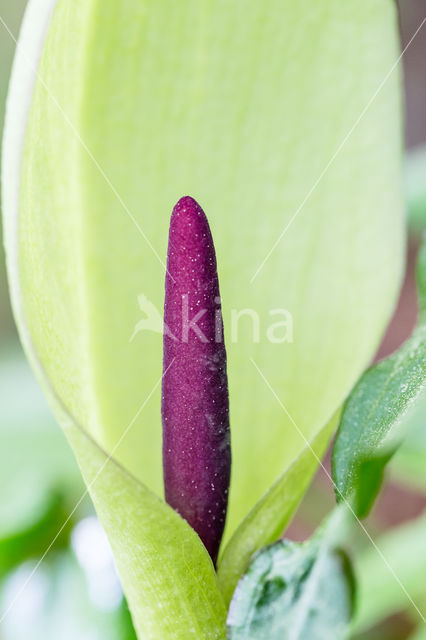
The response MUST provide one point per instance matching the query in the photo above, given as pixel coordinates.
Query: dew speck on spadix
(195, 403)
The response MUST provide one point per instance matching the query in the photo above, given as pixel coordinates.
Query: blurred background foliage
(57, 578)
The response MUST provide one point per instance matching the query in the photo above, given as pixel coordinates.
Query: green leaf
(421, 282)
(137, 103)
(415, 188)
(268, 519)
(387, 580)
(293, 592)
(31, 541)
(369, 431)
(371, 426)
(39, 487)
(408, 466)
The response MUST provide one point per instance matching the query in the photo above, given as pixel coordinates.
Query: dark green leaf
(372, 422)
(293, 592)
(45, 529)
(39, 478)
(409, 464)
(415, 189)
(421, 282)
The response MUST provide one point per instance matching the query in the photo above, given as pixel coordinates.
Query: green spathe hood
(242, 105)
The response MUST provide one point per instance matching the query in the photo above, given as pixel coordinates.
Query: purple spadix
(195, 403)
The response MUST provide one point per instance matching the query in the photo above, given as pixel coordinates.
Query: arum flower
(277, 118)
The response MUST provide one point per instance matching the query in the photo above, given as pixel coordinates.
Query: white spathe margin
(22, 82)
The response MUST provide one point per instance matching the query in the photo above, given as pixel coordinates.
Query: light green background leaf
(402, 554)
(57, 604)
(29, 473)
(415, 188)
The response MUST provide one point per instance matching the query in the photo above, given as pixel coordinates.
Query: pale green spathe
(242, 105)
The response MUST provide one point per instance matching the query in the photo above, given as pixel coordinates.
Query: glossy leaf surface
(371, 426)
(409, 463)
(293, 592)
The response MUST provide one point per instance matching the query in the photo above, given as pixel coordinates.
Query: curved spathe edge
(35, 25)
(24, 76)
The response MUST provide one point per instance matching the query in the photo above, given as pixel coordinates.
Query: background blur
(57, 578)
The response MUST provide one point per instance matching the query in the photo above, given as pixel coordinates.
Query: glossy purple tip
(195, 404)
